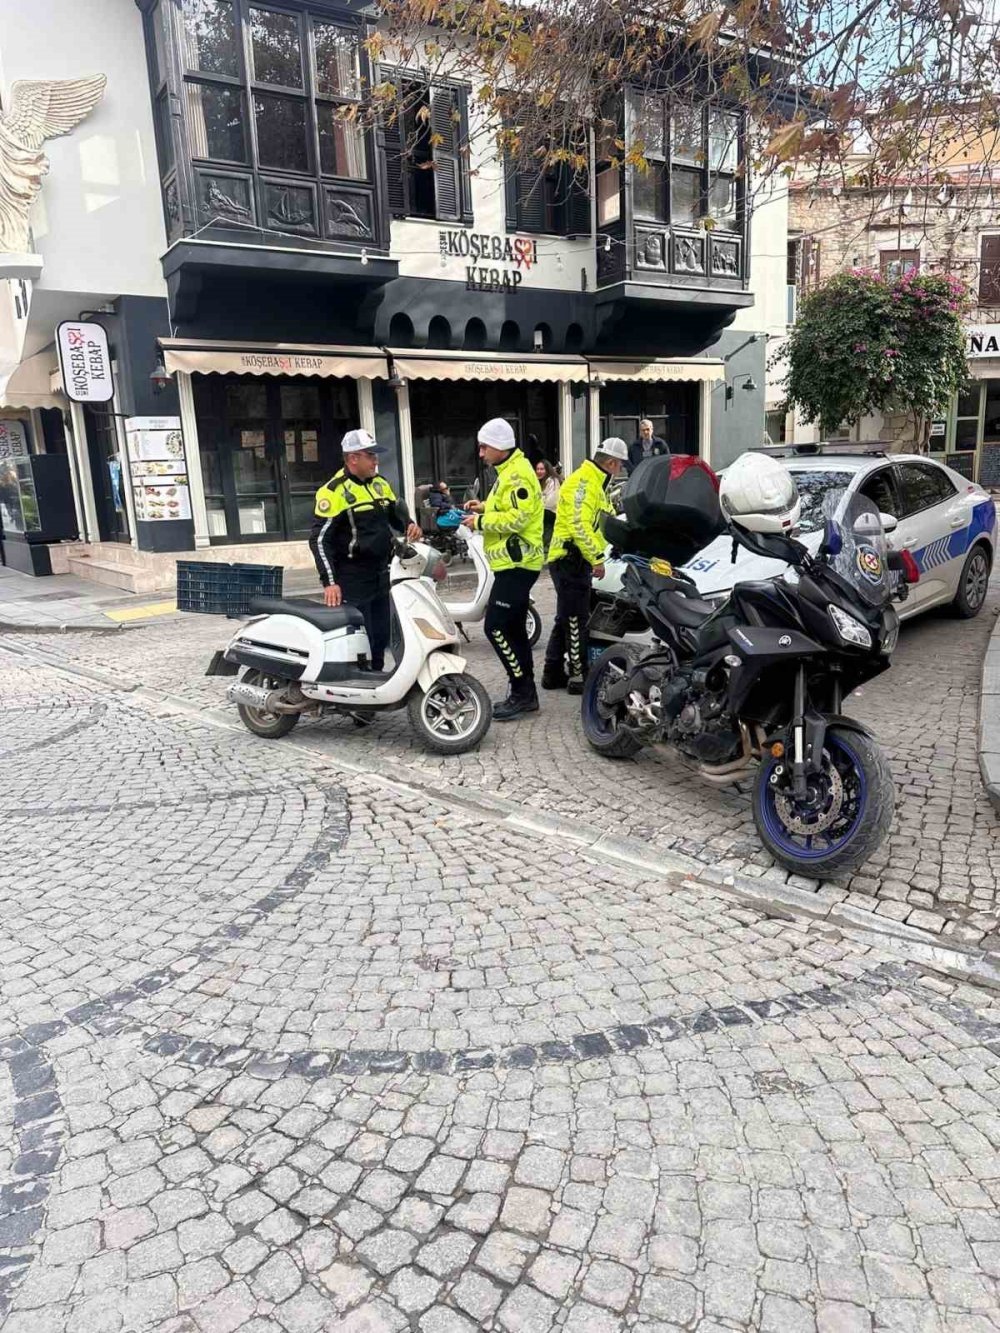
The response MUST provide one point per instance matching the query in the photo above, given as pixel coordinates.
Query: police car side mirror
(889, 523)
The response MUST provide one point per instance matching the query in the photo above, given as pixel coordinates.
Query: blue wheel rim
(602, 725)
(799, 845)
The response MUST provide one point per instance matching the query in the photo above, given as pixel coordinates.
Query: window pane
(341, 145)
(609, 206)
(923, 485)
(722, 201)
(966, 433)
(686, 128)
(723, 141)
(336, 61)
(968, 402)
(215, 122)
(277, 54)
(685, 198)
(648, 195)
(648, 124)
(281, 132)
(210, 37)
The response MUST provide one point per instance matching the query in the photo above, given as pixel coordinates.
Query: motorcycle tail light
(679, 464)
(911, 570)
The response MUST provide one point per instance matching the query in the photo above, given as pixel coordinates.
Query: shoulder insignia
(323, 506)
(522, 493)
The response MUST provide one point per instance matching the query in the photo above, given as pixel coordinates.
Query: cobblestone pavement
(284, 1052)
(939, 870)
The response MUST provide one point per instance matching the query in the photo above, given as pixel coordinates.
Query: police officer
(576, 555)
(351, 539)
(510, 520)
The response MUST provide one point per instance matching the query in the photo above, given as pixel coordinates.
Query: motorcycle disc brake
(796, 823)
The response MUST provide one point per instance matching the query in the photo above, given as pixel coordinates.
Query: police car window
(879, 489)
(812, 487)
(923, 485)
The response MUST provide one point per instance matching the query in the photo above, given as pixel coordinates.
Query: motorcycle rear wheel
(534, 624)
(604, 726)
(867, 802)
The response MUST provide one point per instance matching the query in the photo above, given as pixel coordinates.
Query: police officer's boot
(522, 698)
(553, 677)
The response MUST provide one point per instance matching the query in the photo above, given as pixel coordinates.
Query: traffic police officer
(351, 540)
(510, 520)
(576, 555)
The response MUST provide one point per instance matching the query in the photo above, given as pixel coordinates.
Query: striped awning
(214, 357)
(528, 367)
(657, 369)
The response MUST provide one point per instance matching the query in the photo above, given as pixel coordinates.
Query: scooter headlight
(849, 629)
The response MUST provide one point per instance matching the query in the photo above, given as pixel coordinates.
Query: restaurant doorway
(267, 445)
(445, 416)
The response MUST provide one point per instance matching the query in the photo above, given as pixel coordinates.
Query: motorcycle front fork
(800, 760)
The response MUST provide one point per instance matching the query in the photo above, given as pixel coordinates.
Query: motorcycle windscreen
(855, 544)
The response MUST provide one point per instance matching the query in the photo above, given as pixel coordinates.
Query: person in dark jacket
(647, 445)
(351, 541)
(440, 499)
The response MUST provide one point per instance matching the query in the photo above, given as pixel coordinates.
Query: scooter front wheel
(453, 716)
(534, 624)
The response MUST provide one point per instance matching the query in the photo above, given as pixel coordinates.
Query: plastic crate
(217, 589)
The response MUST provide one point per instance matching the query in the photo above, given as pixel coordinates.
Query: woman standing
(548, 479)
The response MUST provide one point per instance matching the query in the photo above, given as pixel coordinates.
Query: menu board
(158, 464)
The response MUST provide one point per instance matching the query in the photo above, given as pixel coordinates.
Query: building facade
(951, 226)
(271, 271)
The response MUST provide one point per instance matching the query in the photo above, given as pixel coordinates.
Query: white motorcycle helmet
(759, 494)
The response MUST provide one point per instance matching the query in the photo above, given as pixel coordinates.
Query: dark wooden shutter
(447, 165)
(465, 174)
(529, 187)
(577, 210)
(989, 271)
(393, 133)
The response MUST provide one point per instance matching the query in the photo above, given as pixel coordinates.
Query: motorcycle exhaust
(265, 701)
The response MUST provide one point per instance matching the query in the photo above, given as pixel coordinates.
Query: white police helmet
(759, 494)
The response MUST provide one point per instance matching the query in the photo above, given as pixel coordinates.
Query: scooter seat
(325, 618)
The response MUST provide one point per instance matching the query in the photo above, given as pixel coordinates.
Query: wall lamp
(750, 386)
(158, 376)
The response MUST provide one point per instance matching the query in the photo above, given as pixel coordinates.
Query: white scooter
(299, 657)
(467, 612)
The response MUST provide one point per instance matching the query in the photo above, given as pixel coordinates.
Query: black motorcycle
(761, 679)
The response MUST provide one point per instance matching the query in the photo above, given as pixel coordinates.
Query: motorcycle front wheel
(845, 817)
(603, 723)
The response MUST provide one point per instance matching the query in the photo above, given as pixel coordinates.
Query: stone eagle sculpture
(38, 109)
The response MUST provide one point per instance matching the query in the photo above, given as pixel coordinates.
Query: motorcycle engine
(696, 718)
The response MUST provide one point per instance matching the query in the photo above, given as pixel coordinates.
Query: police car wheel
(973, 583)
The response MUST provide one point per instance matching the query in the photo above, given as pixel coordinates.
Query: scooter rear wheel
(453, 716)
(534, 624)
(272, 726)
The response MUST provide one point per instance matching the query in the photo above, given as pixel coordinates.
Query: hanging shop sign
(982, 340)
(85, 361)
(159, 469)
(13, 439)
(496, 263)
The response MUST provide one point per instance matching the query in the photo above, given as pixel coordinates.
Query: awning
(530, 367)
(30, 384)
(212, 357)
(655, 369)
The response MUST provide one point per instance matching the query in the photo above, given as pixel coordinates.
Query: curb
(764, 894)
(989, 718)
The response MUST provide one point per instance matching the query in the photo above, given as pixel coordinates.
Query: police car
(946, 522)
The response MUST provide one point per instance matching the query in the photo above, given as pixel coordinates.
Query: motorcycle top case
(671, 509)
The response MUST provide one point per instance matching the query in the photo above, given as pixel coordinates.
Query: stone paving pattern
(285, 1052)
(939, 870)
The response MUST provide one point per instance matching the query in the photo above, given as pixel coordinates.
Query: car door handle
(957, 521)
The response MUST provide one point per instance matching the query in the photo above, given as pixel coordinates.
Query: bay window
(692, 156)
